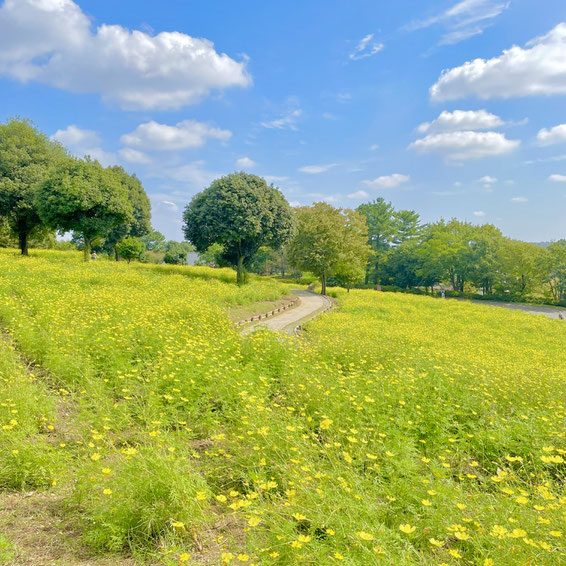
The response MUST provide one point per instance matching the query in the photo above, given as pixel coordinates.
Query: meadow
(398, 430)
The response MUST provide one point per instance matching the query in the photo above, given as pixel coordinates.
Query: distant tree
(130, 248)
(242, 213)
(154, 241)
(27, 157)
(176, 252)
(403, 266)
(386, 228)
(520, 264)
(141, 215)
(85, 198)
(554, 268)
(213, 255)
(329, 241)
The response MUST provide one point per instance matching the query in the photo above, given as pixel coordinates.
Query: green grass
(403, 430)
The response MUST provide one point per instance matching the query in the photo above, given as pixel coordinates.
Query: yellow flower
(254, 521)
(227, 557)
(522, 500)
(243, 557)
(435, 542)
(185, 557)
(325, 424)
(488, 562)
(364, 536)
(555, 533)
(426, 502)
(107, 491)
(338, 556)
(178, 525)
(407, 529)
(94, 457)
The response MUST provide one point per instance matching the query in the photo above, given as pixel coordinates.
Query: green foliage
(176, 252)
(242, 213)
(154, 241)
(27, 157)
(85, 198)
(329, 241)
(130, 248)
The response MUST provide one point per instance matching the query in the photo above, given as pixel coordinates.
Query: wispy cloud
(366, 48)
(316, 169)
(287, 122)
(463, 20)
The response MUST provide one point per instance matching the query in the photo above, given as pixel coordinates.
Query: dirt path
(311, 305)
(551, 312)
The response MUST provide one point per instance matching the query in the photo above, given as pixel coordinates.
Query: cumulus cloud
(552, 136)
(161, 137)
(51, 42)
(479, 213)
(84, 142)
(537, 69)
(366, 48)
(519, 199)
(358, 194)
(463, 20)
(275, 178)
(134, 156)
(557, 178)
(194, 174)
(245, 163)
(461, 120)
(387, 181)
(316, 169)
(456, 146)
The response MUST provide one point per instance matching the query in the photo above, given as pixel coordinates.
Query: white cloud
(387, 181)
(358, 194)
(161, 137)
(134, 156)
(245, 163)
(51, 42)
(344, 97)
(557, 178)
(537, 69)
(552, 136)
(461, 120)
(464, 19)
(479, 213)
(195, 174)
(458, 146)
(366, 48)
(287, 122)
(294, 203)
(488, 180)
(329, 116)
(330, 199)
(374, 147)
(74, 136)
(316, 169)
(519, 199)
(84, 142)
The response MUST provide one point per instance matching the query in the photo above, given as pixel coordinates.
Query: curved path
(310, 305)
(551, 312)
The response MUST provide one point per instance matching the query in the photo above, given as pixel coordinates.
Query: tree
(386, 228)
(242, 213)
(85, 198)
(520, 266)
(329, 241)
(130, 248)
(176, 252)
(27, 157)
(554, 266)
(154, 241)
(140, 224)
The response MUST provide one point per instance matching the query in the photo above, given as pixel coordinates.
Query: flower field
(401, 431)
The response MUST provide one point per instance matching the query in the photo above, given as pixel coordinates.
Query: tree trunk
(86, 249)
(323, 280)
(240, 272)
(23, 242)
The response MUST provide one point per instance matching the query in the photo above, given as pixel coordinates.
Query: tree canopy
(329, 241)
(27, 157)
(242, 213)
(85, 198)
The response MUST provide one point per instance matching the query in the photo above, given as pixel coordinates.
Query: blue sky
(451, 108)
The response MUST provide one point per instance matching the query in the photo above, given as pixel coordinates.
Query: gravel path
(310, 305)
(551, 312)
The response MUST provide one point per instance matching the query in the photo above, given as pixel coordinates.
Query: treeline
(44, 190)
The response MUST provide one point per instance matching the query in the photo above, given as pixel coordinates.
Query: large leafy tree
(554, 268)
(242, 213)
(329, 241)
(85, 198)
(27, 157)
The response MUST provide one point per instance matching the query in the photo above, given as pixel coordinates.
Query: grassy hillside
(403, 430)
